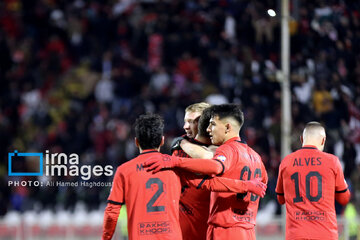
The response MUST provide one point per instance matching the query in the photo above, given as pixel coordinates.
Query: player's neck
(311, 144)
(203, 139)
(230, 135)
(149, 150)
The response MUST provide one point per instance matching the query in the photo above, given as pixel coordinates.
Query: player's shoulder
(168, 175)
(289, 159)
(224, 148)
(224, 151)
(128, 166)
(253, 152)
(137, 162)
(166, 157)
(329, 155)
(331, 159)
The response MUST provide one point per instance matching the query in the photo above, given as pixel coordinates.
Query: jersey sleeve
(111, 216)
(264, 177)
(112, 210)
(117, 195)
(201, 166)
(223, 155)
(215, 184)
(279, 185)
(340, 183)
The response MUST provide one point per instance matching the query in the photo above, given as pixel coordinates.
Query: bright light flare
(271, 12)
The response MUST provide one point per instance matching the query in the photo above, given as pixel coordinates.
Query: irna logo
(16, 156)
(56, 164)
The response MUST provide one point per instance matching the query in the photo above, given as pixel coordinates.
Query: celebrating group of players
(209, 188)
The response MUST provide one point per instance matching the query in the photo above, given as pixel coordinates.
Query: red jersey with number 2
(152, 200)
(308, 179)
(231, 209)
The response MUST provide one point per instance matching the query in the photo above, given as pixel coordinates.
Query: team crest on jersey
(221, 158)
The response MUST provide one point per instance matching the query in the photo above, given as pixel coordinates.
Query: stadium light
(271, 13)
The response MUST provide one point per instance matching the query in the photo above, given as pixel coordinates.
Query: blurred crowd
(75, 74)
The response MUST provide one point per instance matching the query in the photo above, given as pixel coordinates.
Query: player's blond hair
(312, 131)
(197, 107)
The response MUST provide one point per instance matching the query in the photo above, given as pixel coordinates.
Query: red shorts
(220, 233)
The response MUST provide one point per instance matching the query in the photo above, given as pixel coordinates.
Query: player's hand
(257, 187)
(155, 165)
(175, 145)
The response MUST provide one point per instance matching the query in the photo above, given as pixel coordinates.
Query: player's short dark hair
(149, 130)
(228, 110)
(204, 122)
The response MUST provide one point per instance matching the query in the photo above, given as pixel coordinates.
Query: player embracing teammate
(231, 176)
(152, 200)
(194, 203)
(231, 216)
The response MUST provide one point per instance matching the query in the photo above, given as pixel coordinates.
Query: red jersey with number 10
(231, 209)
(308, 179)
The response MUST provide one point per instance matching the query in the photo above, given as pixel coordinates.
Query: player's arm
(220, 184)
(342, 193)
(342, 197)
(196, 165)
(264, 175)
(111, 216)
(280, 198)
(196, 151)
(175, 144)
(112, 210)
(279, 187)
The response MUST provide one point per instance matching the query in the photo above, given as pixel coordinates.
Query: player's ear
(137, 142)
(301, 139)
(162, 141)
(228, 127)
(323, 141)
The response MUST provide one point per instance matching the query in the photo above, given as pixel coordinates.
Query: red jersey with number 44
(308, 179)
(231, 209)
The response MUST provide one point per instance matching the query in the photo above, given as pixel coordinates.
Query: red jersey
(231, 209)
(194, 207)
(308, 179)
(152, 203)
(152, 200)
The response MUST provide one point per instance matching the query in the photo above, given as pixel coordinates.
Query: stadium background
(75, 75)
